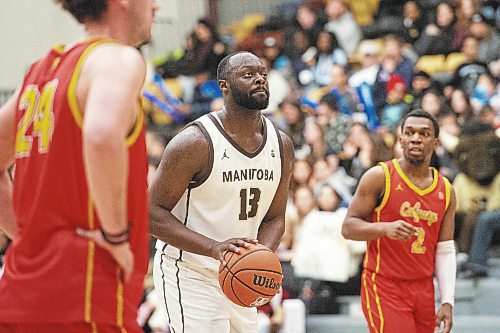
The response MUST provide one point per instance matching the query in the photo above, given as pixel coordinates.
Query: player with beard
(405, 210)
(221, 185)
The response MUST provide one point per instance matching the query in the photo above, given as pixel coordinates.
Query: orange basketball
(252, 277)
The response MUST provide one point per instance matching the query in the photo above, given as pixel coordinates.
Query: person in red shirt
(78, 218)
(405, 210)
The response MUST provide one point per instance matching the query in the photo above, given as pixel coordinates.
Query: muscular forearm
(271, 232)
(7, 220)
(167, 228)
(361, 230)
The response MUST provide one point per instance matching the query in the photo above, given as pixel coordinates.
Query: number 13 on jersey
(249, 202)
(37, 109)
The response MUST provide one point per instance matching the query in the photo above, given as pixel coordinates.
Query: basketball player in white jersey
(221, 185)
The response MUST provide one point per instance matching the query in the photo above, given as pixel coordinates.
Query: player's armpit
(357, 224)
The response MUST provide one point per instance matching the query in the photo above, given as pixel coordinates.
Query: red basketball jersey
(424, 209)
(51, 274)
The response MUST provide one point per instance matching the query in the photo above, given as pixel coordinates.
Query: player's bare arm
(186, 158)
(272, 227)
(7, 156)
(108, 95)
(444, 313)
(357, 224)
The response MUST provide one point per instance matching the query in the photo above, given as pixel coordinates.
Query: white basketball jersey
(237, 194)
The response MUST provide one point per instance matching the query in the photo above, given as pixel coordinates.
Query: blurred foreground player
(406, 210)
(78, 209)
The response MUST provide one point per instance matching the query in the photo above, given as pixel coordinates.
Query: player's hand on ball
(121, 253)
(444, 314)
(399, 230)
(231, 245)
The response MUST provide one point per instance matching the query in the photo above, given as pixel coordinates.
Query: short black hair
(422, 114)
(207, 22)
(329, 100)
(223, 69)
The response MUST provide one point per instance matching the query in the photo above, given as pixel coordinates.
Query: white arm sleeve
(446, 269)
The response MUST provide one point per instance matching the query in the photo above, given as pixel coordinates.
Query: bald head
(234, 60)
(242, 79)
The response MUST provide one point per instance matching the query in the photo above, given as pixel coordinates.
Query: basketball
(252, 277)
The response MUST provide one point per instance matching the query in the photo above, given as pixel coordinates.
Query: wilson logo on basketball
(262, 281)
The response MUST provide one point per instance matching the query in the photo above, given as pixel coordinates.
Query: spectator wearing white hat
(369, 52)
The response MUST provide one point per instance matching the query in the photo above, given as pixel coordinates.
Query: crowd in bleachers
(342, 73)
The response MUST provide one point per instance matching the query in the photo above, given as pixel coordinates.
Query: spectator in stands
(336, 125)
(304, 202)
(202, 53)
(338, 175)
(396, 106)
(327, 54)
(346, 97)
(485, 93)
(316, 143)
(490, 116)
(419, 85)
(467, 74)
(460, 105)
(443, 36)
(207, 97)
(477, 155)
(322, 174)
(488, 222)
(369, 52)
(292, 122)
(279, 89)
(301, 174)
(203, 50)
(413, 21)
(309, 21)
(332, 275)
(433, 102)
(358, 151)
(448, 125)
(342, 24)
(489, 38)
(466, 8)
(393, 63)
(272, 51)
(299, 46)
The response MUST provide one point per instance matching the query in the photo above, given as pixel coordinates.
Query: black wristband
(118, 238)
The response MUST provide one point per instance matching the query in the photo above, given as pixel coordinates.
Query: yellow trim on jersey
(94, 328)
(387, 190)
(414, 187)
(72, 98)
(119, 301)
(374, 287)
(447, 187)
(368, 305)
(59, 48)
(139, 123)
(377, 298)
(90, 264)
